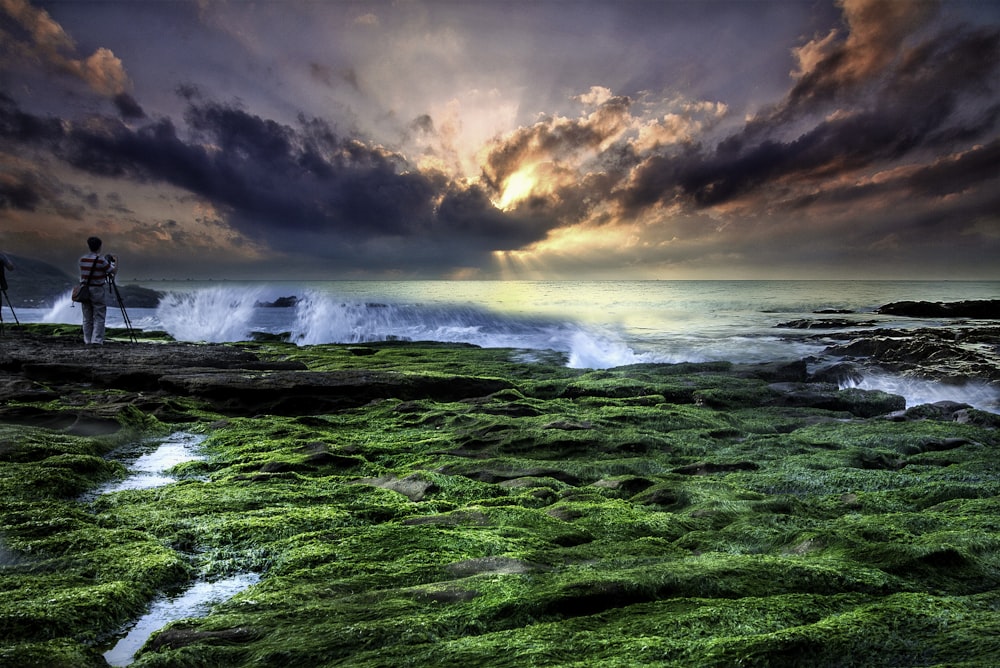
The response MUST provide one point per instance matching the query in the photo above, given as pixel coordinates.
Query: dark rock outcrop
(840, 374)
(36, 284)
(826, 396)
(979, 309)
(794, 371)
(280, 302)
(824, 323)
(953, 354)
(280, 392)
(940, 410)
(228, 378)
(136, 296)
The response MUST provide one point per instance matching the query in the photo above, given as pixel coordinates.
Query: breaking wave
(674, 332)
(213, 314)
(323, 319)
(234, 314)
(918, 391)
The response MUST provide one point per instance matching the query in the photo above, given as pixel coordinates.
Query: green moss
(648, 515)
(56, 653)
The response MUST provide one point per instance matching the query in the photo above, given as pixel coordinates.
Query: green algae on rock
(531, 515)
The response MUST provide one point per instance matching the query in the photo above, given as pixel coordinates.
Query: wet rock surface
(956, 354)
(980, 309)
(654, 514)
(962, 347)
(822, 323)
(301, 392)
(827, 396)
(230, 379)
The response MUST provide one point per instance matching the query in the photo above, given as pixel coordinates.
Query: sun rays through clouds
(429, 139)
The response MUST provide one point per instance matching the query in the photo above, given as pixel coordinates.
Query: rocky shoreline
(438, 504)
(963, 348)
(234, 380)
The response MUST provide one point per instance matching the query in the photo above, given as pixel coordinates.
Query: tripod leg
(11, 306)
(125, 318)
(128, 324)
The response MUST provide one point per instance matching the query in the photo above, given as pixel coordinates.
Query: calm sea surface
(597, 324)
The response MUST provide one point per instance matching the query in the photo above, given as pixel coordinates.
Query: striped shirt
(101, 268)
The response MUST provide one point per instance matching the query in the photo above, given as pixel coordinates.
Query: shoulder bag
(81, 293)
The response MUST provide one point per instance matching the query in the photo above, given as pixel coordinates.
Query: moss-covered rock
(521, 513)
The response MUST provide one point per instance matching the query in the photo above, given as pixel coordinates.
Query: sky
(465, 139)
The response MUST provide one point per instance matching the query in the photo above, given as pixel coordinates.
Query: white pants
(94, 313)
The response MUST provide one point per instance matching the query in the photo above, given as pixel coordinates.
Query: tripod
(3, 288)
(121, 305)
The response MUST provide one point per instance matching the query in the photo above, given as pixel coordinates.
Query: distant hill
(36, 284)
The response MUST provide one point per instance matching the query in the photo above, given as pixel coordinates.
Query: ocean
(597, 324)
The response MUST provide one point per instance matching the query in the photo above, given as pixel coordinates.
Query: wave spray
(214, 314)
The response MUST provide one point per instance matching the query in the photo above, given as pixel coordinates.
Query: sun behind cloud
(463, 139)
(517, 188)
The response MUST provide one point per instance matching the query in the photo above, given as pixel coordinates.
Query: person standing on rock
(94, 272)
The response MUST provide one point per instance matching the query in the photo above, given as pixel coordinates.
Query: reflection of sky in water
(149, 470)
(195, 602)
(7, 557)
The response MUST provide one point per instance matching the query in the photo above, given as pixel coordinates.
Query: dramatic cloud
(444, 139)
(877, 32)
(282, 185)
(32, 35)
(939, 92)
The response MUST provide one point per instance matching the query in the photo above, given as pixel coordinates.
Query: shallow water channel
(149, 464)
(196, 601)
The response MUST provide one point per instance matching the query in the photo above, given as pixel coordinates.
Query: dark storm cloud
(20, 188)
(128, 107)
(931, 98)
(22, 128)
(469, 214)
(280, 183)
(423, 123)
(957, 174)
(948, 176)
(18, 194)
(881, 103)
(426, 135)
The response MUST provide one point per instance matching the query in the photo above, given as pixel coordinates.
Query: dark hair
(94, 244)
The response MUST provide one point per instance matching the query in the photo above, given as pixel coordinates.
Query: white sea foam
(919, 391)
(212, 314)
(595, 324)
(323, 318)
(589, 351)
(64, 310)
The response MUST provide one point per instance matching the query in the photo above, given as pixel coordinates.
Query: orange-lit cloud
(465, 140)
(48, 45)
(877, 34)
